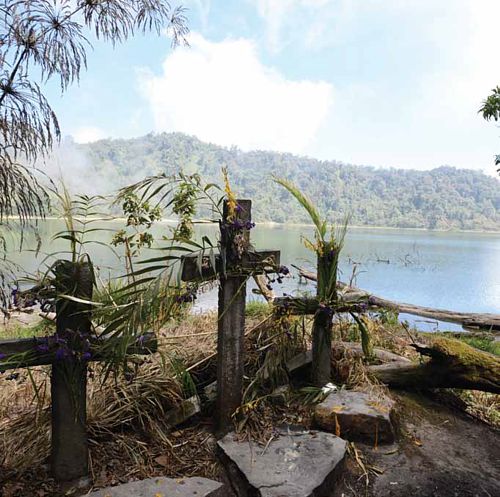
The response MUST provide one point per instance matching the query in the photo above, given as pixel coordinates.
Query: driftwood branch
(485, 321)
(263, 290)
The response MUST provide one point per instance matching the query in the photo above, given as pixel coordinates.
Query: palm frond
(306, 203)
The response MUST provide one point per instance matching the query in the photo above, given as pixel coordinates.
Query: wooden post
(231, 327)
(235, 262)
(322, 332)
(69, 456)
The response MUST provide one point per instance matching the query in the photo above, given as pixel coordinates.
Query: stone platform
(357, 416)
(292, 464)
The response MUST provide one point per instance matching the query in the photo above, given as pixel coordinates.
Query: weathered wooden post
(321, 371)
(237, 260)
(231, 323)
(69, 453)
(68, 352)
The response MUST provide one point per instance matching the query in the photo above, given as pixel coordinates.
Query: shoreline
(274, 224)
(271, 224)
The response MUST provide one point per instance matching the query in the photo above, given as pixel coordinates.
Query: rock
(281, 395)
(293, 464)
(299, 361)
(165, 487)
(211, 391)
(186, 409)
(356, 416)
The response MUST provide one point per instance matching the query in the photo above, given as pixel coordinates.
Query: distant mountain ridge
(442, 198)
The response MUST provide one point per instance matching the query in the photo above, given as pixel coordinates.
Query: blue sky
(394, 83)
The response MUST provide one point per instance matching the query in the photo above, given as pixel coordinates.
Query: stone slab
(357, 416)
(293, 464)
(165, 487)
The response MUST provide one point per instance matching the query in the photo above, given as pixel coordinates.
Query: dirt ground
(441, 453)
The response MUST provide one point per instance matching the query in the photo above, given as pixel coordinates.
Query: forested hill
(445, 198)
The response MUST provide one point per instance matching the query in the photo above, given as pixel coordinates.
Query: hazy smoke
(70, 164)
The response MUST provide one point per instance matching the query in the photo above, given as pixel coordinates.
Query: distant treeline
(442, 198)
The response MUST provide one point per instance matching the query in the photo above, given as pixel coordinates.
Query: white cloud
(470, 70)
(86, 134)
(417, 104)
(311, 21)
(222, 93)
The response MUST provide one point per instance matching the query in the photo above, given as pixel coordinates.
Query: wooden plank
(230, 349)
(262, 261)
(149, 345)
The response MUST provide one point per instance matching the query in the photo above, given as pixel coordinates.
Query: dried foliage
(126, 416)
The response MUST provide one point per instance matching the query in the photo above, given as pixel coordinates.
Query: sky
(392, 83)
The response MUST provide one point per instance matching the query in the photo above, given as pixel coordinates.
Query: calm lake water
(457, 271)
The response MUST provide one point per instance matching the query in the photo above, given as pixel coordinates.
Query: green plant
(150, 292)
(140, 217)
(327, 244)
(82, 215)
(257, 309)
(483, 343)
(366, 342)
(388, 316)
(183, 376)
(491, 110)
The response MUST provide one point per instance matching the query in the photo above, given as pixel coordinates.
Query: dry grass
(129, 437)
(482, 405)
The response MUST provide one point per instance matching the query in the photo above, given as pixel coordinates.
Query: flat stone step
(357, 416)
(165, 487)
(293, 464)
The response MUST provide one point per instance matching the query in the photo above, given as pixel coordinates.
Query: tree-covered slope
(440, 198)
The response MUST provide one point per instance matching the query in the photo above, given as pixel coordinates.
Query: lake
(456, 271)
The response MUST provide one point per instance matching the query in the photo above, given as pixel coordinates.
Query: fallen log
(355, 349)
(471, 320)
(452, 364)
